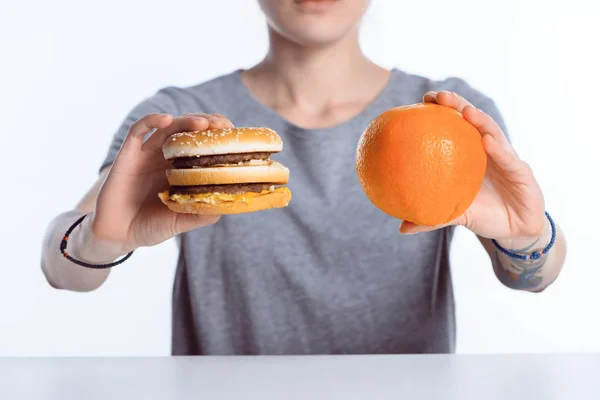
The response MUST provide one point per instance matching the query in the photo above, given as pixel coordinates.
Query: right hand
(128, 212)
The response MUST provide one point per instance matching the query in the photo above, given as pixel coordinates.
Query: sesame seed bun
(222, 141)
(269, 173)
(276, 199)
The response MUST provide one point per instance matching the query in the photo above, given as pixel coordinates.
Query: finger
(219, 123)
(216, 116)
(430, 97)
(139, 129)
(188, 222)
(503, 154)
(146, 124)
(203, 115)
(410, 228)
(484, 123)
(181, 124)
(215, 120)
(216, 123)
(453, 100)
(220, 120)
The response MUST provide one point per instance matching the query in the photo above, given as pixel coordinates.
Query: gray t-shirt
(329, 274)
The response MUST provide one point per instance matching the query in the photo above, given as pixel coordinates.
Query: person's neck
(315, 79)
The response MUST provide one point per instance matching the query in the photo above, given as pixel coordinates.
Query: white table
(573, 377)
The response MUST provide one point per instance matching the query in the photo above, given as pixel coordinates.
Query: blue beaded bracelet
(536, 254)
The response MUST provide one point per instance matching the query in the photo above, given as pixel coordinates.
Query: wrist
(529, 244)
(85, 246)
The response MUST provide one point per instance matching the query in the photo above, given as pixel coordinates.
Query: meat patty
(217, 159)
(236, 188)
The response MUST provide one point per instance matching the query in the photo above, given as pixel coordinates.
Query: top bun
(222, 141)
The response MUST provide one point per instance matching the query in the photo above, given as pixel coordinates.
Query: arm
(531, 275)
(61, 273)
(124, 210)
(509, 207)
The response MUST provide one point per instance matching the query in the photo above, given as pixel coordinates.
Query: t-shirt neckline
(368, 113)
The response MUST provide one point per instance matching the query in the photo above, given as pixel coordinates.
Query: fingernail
(200, 120)
(146, 134)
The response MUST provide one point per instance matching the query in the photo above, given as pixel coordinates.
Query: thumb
(410, 228)
(188, 222)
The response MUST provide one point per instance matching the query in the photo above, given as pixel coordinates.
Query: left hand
(510, 203)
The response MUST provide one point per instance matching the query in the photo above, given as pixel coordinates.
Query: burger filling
(214, 194)
(219, 160)
(225, 189)
(220, 197)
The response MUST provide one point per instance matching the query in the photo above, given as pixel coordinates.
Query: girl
(330, 273)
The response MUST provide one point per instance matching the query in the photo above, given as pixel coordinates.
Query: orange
(422, 163)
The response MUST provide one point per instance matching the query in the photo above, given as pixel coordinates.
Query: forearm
(529, 275)
(62, 273)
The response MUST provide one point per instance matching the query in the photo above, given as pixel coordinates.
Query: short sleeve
(161, 102)
(479, 100)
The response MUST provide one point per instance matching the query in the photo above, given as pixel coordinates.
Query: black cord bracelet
(63, 250)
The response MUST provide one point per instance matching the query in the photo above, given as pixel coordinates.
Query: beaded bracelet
(536, 254)
(63, 250)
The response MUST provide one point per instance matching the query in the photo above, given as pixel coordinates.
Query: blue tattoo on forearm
(519, 274)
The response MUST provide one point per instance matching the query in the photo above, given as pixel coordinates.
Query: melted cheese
(245, 163)
(215, 198)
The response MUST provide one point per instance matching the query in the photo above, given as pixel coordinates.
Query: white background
(71, 70)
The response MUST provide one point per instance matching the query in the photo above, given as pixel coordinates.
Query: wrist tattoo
(519, 274)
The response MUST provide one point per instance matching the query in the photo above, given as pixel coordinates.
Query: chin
(313, 36)
(314, 22)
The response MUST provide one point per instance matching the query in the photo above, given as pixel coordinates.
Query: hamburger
(225, 171)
